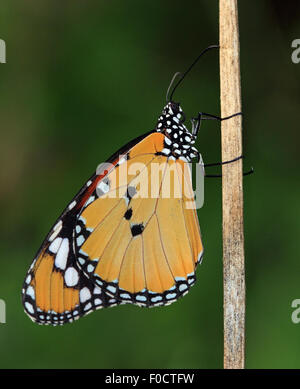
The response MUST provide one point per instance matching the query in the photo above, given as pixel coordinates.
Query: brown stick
(232, 188)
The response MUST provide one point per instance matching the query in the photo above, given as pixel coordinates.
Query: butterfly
(114, 244)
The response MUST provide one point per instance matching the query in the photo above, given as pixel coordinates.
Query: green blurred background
(81, 80)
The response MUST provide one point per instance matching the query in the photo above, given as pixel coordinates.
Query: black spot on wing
(137, 229)
(131, 191)
(128, 214)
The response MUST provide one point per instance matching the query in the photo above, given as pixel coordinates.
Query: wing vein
(143, 257)
(183, 216)
(122, 261)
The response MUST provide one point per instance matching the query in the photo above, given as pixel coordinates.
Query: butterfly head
(173, 109)
(172, 118)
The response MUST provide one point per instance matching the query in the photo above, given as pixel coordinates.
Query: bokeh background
(81, 80)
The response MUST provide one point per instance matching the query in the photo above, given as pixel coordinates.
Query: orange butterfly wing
(55, 290)
(141, 249)
(117, 243)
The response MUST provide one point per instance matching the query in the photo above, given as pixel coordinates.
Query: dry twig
(232, 188)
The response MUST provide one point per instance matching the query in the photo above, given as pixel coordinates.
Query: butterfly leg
(208, 116)
(220, 175)
(196, 122)
(224, 163)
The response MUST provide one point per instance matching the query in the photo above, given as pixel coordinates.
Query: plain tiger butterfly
(112, 245)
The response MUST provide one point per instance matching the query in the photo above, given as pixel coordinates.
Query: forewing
(141, 249)
(55, 289)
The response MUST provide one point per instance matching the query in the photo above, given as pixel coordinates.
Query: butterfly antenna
(189, 69)
(171, 83)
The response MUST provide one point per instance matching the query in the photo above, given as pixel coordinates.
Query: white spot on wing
(141, 298)
(170, 296)
(62, 254)
(80, 240)
(28, 279)
(156, 298)
(103, 186)
(200, 257)
(90, 200)
(71, 276)
(29, 307)
(72, 205)
(57, 225)
(97, 290)
(125, 295)
(54, 246)
(84, 295)
(88, 306)
(182, 287)
(122, 160)
(82, 219)
(56, 230)
(90, 268)
(81, 260)
(112, 289)
(30, 292)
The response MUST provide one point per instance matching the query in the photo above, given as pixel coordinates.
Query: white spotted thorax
(179, 141)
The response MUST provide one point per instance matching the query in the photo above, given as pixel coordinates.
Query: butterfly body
(120, 240)
(179, 141)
